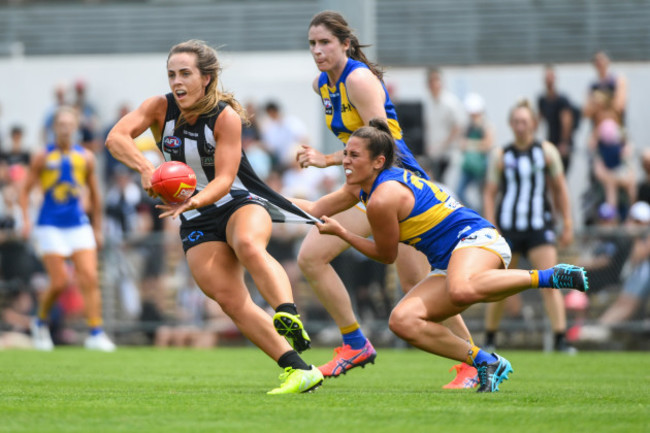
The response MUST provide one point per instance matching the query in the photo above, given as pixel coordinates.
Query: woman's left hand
(175, 209)
(330, 226)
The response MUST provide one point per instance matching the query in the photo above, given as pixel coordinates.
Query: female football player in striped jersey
(224, 225)
(522, 176)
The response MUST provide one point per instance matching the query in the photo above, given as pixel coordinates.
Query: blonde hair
(208, 65)
(523, 103)
(66, 109)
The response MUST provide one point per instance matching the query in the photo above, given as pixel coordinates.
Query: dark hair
(379, 140)
(208, 65)
(272, 106)
(335, 23)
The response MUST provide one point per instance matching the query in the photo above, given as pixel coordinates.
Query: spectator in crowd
(559, 115)
(609, 252)
(14, 163)
(15, 317)
(121, 205)
(16, 154)
(110, 163)
(632, 300)
(522, 176)
(636, 284)
(251, 131)
(475, 146)
(64, 169)
(282, 135)
(643, 189)
(444, 122)
(88, 120)
(613, 86)
(59, 101)
(613, 166)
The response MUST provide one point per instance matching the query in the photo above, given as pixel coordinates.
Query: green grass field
(224, 390)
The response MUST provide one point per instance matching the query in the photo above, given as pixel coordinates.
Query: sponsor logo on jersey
(207, 161)
(329, 108)
(171, 143)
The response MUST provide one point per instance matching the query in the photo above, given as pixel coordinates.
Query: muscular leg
(249, 242)
(418, 316)
(494, 310)
(473, 276)
(59, 279)
(412, 267)
(85, 264)
(220, 276)
(316, 253)
(544, 257)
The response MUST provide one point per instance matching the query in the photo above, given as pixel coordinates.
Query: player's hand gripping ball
(174, 181)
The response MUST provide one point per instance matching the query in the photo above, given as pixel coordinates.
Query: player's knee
(401, 323)
(248, 250)
(309, 261)
(462, 294)
(58, 287)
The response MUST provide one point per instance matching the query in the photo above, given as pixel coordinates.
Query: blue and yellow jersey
(343, 119)
(437, 222)
(62, 179)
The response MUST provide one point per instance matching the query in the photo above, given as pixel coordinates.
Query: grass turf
(149, 390)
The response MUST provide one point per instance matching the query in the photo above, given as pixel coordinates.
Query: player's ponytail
(338, 26)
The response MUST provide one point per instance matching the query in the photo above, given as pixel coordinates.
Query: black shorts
(212, 227)
(522, 242)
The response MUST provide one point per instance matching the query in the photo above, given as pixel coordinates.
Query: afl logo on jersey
(170, 143)
(329, 109)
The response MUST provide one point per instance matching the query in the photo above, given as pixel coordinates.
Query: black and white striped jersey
(524, 201)
(195, 146)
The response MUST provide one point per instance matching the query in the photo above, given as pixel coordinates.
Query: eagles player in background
(64, 169)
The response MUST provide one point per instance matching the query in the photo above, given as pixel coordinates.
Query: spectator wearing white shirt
(444, 120)
(282, 135)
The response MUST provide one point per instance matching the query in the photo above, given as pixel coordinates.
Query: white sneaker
(99, 342)
(41, 336)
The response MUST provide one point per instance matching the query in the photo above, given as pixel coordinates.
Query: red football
(174, 181)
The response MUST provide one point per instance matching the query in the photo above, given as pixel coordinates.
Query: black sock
(293, 360)
(287, 308)
(560, 340)
(490, 338)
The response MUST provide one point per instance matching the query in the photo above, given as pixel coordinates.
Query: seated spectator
(636, 285)
(643, 190)
(609, 253)
(631, 301)
(15, 317)
(612, 164)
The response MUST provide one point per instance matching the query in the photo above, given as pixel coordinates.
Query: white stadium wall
(27, 83)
